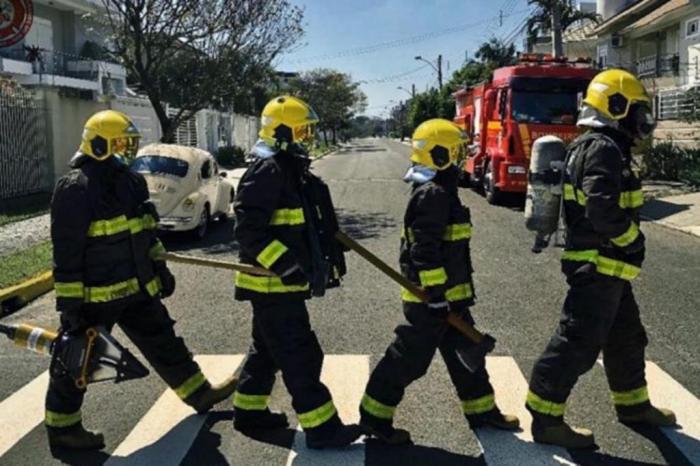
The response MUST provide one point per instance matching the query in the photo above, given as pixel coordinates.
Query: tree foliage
(540, 22)
(199, 54)
(333, 95)
(496, 53)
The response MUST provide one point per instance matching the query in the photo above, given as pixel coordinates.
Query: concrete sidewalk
(680, 212)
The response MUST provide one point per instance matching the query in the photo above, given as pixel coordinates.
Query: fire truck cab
(540, 95)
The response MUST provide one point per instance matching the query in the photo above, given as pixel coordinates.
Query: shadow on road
(658, 209)
(416, 455)
(79, 458)
(364, 225)
(219, 240)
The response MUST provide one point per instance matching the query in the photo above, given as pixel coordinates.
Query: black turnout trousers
(599, 314)
(408, 357)
(149, 326)
(284, 341)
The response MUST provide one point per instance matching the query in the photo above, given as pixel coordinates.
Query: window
(692, 27)
(158, 165)
(546, 108)
(602, 56)
(206, 170)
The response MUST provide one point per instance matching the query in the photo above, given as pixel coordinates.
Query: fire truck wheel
(492, 193)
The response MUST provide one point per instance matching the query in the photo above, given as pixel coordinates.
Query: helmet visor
(304, 133)
(126, 147)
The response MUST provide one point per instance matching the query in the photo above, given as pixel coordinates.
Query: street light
(411, 92)
(437, 68)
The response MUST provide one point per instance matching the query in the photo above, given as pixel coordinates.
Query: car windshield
(548, 108)
(158, 165)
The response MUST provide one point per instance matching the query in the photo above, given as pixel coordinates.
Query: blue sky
(336, 29)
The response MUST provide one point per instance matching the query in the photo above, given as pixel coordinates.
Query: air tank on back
(544, 189)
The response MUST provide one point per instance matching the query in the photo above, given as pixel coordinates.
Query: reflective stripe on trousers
(604, 265)
(266, 284)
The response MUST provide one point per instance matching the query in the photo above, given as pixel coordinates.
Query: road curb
(692, 230)
(16, 296)
(324, 155)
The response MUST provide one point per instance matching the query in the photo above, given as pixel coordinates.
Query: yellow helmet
(437, 143)
(108, 133)
(613, 92)
(287, 119)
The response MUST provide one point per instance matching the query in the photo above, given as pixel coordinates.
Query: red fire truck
(539, 95)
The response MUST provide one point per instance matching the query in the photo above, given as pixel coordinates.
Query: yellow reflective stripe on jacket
(627, 237)
(631, 397)
(604, 265)
(316, 417)
(156, 251)
(69, 290)
(271, 253)
(459, 293)
(432, 277)
(266, 284)
(457, 232)
(632, 199)
(287, 217)
(376, 408)
(189, 386)
(104, 294)
(121, 224)
(479, 405)
(54, 419)
(542, 406)
(250, 402)
(573, 194)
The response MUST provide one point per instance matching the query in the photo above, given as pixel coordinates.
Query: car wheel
(492, 193)
(200, 230)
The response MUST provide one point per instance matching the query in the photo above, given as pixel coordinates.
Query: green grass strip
(20, 265)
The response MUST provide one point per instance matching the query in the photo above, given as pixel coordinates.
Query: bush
(230, 156)
(667, 161)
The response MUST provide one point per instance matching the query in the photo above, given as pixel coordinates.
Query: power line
(394, 43)
(394, 77)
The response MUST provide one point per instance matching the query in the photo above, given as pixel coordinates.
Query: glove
(73, 320)
(294, 276)
(167, 279)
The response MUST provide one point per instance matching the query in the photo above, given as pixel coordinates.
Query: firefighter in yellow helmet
(603, 255)
(107, 271)
(276, 227)
(434, 255)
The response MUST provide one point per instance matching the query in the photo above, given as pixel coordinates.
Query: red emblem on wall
(15, 20)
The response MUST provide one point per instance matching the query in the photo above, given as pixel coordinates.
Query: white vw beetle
(185, 185)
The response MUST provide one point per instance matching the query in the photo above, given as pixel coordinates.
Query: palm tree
(496, 53)
(555, 16)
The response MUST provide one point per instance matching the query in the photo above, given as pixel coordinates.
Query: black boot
(384, 431)
(203, 400)
(244, 420)
(494, 418)
(75, 437)
(337, 435)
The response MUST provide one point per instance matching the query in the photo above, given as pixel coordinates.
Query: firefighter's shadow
(219, 239)
(417, 455)
(365, 225)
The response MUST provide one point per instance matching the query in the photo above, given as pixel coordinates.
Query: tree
(199, 54)
(333, 95)
(496, 53)
(431, 104)
(555, 17)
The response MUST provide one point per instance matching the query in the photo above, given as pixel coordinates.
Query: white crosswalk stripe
(22, 412)
(346, 377)
(167, 432)
(508, 448)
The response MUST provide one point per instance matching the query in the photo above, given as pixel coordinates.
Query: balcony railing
(658, 65)
(49, 62)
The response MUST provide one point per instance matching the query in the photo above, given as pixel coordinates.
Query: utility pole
(439, 66)
(557, 45)
(413, 89)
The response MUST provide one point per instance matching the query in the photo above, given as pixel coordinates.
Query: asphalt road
(519, 297)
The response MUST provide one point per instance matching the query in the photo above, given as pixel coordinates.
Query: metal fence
(677, 104)
(24, 154)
